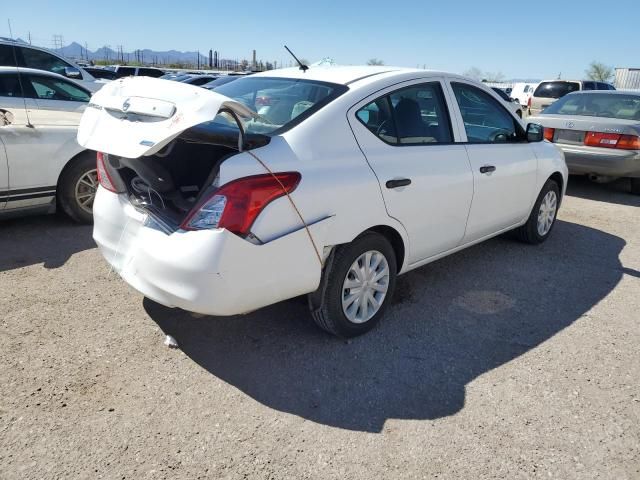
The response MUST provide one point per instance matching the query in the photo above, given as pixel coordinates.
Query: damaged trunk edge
(169, 184)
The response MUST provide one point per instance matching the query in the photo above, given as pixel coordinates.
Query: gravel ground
(502, 361)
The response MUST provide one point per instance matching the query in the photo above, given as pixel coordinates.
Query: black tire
(635, 186)
(328, 313)
(66, 196)
(529, 231)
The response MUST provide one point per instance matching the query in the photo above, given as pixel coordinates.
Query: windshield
(280, 103)
(555, 89)
(624, 107)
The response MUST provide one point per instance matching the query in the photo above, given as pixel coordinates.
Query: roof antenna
(303, 67)
(15, 58)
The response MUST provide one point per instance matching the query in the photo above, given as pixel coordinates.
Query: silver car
(599, 132)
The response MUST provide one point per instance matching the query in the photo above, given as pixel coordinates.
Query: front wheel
(77, 188)
(543, 215)
(361, 280)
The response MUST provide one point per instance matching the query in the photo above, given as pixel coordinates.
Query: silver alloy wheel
(547, 212)
(365, 286)
(85, 191)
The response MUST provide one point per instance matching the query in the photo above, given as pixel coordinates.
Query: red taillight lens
(103, 175)
(548, 133)
(629, 142)
(236, 205)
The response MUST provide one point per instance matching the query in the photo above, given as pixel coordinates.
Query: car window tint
(377, 117)
(588, 85)
(555, 89)
(125, 71)
(420, 114)
(10, 86)
(150, 72)
(40, 60)
(48, 88)
(485, 119)
(7, 56)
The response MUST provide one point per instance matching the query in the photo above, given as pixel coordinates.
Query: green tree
(375, 61)
(599, 72)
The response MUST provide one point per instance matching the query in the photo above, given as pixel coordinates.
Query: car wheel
(360, 280)
(543, 216)
(635, 186)
(77, 188)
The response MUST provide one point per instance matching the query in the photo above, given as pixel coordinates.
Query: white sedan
(329, 182)
(41, 163)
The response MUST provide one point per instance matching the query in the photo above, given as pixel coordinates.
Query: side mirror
(71, 72)
(535, 132)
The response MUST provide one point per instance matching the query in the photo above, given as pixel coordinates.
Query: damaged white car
(329, 182)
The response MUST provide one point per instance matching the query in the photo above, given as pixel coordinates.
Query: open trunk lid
(137, 116)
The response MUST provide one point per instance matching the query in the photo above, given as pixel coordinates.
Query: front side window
(10, 86)
(47, 88)
(32, 58)
(414, 115)
(485, 119)
(8, 55)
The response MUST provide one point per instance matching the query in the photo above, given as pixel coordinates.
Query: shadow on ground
(47, 239)
(618, 192)
(452, 321)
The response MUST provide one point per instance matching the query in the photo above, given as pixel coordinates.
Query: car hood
(137, 116)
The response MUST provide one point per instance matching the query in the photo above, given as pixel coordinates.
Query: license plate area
(569, 136)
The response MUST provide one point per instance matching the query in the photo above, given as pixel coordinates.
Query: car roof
(44, 73)
(343, 75)
(607, 92)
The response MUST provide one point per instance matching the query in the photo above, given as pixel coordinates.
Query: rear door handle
(487, 169)
(400, 182)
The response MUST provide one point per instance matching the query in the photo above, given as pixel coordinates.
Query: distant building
(627, 79)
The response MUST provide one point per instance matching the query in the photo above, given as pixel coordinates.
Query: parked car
(599, 133)
(198, 80)
(549, 91)
(521, 92)
(41, 163)
(130, 71)
(13, 53)
(513, 106)
(101, 73)
(223, 80)
(374, 171)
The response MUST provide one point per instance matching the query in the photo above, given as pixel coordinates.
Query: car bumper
(212, 272)
(601, 161)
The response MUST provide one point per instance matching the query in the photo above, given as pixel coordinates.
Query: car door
(503, 163)
(15, 130)
(407, 137)
(37, 157)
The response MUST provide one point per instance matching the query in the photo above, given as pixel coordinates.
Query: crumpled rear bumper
(212, 272)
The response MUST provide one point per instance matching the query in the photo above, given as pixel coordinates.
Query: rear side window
(414, 115)
(150, 72)
(48, 88)
(485, 119)
(8, 56)
(10, 86)
(125, 71)
(40, 60)
(555, 89)
(588, 85)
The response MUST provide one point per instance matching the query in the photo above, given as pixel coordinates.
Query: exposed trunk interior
(170, 183)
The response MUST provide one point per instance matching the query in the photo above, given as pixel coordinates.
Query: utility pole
(29, 38)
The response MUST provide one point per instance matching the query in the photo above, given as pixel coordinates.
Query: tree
(375, 61)
(493, 77)
(474, 72)
(599, 72)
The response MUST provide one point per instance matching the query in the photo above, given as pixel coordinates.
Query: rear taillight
(103, 176)
(612, 140)
(237, 204)
(548, 133)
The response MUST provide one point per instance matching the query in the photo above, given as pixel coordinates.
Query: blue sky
(534, 39)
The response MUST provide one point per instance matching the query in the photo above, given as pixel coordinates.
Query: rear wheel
(77, 188)
(360, 281)
(543, 215)
(635, 186)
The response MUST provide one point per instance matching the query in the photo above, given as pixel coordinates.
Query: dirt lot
(502, 361)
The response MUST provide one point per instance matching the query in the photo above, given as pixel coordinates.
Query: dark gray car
(599, 133)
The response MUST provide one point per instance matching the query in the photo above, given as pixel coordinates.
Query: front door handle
(400, 182)
(487, 169)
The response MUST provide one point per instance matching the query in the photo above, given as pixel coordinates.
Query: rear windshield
(624, 107)
(280, 103)
(555, 89)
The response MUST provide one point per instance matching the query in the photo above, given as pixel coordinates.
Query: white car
(17, 54)
(41, 163)
(521, 92)
(346, 178)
